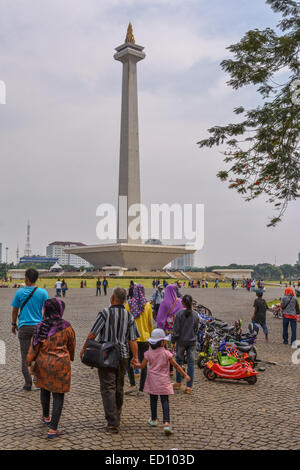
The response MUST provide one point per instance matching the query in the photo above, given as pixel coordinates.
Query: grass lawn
(277, 301)
(112, 282)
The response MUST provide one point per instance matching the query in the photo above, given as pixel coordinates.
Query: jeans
(142, 348)
(165, 407)
(155, 311)
(58, 402)
(25, 334)
(190, 356)
(285, 326)
(111, 387)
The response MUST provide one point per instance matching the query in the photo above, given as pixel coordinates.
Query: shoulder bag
(103, 355)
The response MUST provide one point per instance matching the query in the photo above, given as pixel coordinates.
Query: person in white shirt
(58, 288)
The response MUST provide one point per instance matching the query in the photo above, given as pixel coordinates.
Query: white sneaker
(34, 388)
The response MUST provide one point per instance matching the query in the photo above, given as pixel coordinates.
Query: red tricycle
(240, 370)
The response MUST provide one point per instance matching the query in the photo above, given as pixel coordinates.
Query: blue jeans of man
(190, 357)
(285, 326)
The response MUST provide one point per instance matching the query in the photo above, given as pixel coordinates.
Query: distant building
(57, 250)
(298, 261)
(185, 261)
(237, 274)
(37, 260)
(19, 274)
(0, 252)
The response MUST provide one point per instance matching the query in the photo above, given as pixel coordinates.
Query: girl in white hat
(158, 383)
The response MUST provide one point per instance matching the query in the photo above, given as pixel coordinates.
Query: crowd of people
(48, 342)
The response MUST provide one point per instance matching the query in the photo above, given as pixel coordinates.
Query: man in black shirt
(260, 309)
(98, 285)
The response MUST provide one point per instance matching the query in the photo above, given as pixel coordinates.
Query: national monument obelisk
(129, 170)
(129, 252)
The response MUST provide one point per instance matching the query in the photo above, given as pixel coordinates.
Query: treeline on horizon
(260, 271)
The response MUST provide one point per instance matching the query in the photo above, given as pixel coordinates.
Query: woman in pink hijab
(168, 309)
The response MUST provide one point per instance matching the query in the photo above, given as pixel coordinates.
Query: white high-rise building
(57, 250)
(183, 262)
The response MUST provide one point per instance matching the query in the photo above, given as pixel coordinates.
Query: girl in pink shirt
(158, 359)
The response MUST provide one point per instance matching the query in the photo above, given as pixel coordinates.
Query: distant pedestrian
(98, 287)
(130, 290)
(105, 285)
(81, 284)
(156, 299)
(27, 306)
(58, 287)
(290, 310)
(260, 312)
(64, 287)
(158, 383)
(51, 353)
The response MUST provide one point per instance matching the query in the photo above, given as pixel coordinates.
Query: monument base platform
(132, 256)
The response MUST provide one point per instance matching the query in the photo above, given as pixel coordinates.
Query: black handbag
(103, 355)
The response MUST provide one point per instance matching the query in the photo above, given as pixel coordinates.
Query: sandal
(131, 390)
(188, 390)
(176, 386)
(45, 421)
(152, 423)
(112, 429)
(57, 433)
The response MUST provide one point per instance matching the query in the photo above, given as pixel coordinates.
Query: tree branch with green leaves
(263, 150)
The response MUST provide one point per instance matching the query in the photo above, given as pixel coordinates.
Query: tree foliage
(264, 270)
(263, 150)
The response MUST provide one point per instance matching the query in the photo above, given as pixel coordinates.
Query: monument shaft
(129, 170)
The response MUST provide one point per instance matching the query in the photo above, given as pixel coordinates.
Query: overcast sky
(60, 128)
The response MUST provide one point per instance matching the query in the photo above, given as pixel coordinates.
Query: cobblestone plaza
(218, 415)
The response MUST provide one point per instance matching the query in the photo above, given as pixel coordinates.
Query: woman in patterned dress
(49, 357)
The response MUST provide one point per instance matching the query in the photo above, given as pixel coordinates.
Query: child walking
(158, 383)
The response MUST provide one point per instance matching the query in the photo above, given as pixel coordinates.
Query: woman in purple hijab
(168, 309)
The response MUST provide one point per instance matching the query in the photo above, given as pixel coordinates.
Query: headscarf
(138, 301)
(169, 300)
(52, 323)
(289, 291)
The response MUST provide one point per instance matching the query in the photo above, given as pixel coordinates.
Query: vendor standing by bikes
(260, 310)
(290, 310)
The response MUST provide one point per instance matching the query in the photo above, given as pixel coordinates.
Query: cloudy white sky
(59, 131)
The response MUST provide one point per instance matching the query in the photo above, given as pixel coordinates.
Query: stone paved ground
(219, 415)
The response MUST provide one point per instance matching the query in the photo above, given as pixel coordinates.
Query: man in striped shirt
(123, 328)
